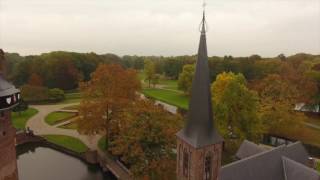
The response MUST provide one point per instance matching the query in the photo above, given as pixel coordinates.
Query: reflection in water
(36, 162)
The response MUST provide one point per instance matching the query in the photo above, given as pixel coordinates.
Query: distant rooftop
(286, 162)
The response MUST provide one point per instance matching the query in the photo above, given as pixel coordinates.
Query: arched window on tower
(185, 163)
(208, 167)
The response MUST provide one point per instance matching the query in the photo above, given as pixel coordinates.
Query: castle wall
(8, 160)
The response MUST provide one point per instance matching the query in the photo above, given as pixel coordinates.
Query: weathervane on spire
(203, 25)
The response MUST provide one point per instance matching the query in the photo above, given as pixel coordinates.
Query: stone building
(9, 97)
(199, 145)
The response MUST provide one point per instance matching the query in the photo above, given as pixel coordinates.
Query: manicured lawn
(102, 143)
(318, 166)
(74, 107)
(19, 120)
(57, 117)
(71, 98)
(72, 125)
(169, 84)
(68, 142)
(171, 97)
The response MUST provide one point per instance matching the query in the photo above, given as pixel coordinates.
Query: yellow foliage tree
(236, 107)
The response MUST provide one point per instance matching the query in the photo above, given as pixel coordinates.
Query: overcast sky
(160, 27)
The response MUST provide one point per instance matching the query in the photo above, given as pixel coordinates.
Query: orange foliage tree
(105, 98)
(147, 139)
(35, 80)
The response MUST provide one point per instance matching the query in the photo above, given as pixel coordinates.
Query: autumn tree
(34, 93)
(278, 97)
(35, 80)
(185, 78)
(236, 107)
(105, 98)
(149, 70)
(146, 141)
(314, 74)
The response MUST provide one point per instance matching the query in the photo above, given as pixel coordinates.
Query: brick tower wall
(196, 166)
(8, 160)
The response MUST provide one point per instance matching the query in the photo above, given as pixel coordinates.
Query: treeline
(64, 70)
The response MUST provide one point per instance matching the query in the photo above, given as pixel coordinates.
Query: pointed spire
(203, 23)
(200, 130)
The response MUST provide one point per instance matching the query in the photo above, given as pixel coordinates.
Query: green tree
(149, 70)
(155, 80)
(185, 78)
(56, 95)
(236, 107)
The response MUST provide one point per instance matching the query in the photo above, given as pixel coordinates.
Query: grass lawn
(71, 98)
(102, 143)
(169, 84)
(318, 166)
(56, 117)
(74, 107)
(171, 97)
(71, 125)
(19, 120)
(68, 142)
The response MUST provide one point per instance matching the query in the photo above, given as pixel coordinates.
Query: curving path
(40, 127)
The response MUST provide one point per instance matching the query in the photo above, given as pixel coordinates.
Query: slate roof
(248, 149)
(294, 170)
(9, 94)
(6, 88)
(199, 130)
(269, 165)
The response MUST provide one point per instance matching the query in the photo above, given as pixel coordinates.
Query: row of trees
(65, 70)
(62, 70)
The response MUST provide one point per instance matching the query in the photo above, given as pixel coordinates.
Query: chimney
(311, 163)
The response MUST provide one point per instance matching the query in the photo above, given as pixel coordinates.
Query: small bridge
(23, 137)
(110, 164)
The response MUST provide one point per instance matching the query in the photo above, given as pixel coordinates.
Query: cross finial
(204, 5)
(203, 23)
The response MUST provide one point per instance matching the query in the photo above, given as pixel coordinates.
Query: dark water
(36, 162)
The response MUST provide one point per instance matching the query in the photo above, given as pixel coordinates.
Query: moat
(36, 162)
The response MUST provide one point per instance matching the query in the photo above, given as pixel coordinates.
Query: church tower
(9, 97)
(199, 145)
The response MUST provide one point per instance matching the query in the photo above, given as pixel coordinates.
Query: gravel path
(40, 127)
